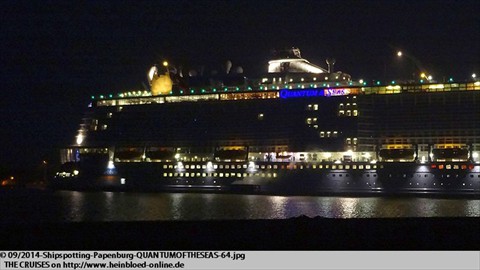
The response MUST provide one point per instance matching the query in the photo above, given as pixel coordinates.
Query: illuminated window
(349, 113)
(315, 107)
(335, 134)
(354, 140)
(260, 116)
(355, 112)
(341, 113)
(309, 107)
(322, 134)
(328, 134)
(349, 141)
(104, 127)
(308, 121)
(109, 115)
(340, 106)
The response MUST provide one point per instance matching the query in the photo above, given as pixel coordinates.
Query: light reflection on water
(112, 206)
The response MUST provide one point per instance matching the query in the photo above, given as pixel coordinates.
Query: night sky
(55, 55)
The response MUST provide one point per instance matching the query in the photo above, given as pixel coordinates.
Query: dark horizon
(57, 55)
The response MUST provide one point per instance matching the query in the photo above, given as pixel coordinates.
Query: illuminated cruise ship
(299, 129)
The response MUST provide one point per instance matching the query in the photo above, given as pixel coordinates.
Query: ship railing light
(180, 167)
(373, 162)
(338, 161)
(79, 139)
(251, 166)
(209, 167)
(111, 165)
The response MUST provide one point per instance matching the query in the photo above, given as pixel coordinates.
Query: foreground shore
(301, 233)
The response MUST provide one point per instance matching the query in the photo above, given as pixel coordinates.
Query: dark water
(72, 206)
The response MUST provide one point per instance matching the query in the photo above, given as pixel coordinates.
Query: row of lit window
(350, 141)
(270, 175)
(341, 106)
(347, 113)
(280, 80)
(310, 121)
(312, 107)
(450, 167)
(145, 98)
(276, 166)
(328, 134)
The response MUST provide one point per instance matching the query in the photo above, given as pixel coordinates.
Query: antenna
(330, 62)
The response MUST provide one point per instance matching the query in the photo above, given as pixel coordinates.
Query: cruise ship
(299, 129)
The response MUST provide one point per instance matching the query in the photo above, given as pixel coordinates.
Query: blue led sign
(330, 92)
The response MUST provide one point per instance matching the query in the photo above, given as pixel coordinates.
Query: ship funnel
(330, 63)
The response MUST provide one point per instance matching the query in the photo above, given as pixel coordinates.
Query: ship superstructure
(298, 129)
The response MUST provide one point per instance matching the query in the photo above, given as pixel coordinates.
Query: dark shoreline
(301, 233)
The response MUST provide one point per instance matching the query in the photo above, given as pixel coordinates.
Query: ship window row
(130, 101)
(310, 121)
(270, 175)
(342, 106)
(419, 88)
(348, 113)
(312, 107)
(280, 80)
(328, 134)
(243, 96)
(282, 167)
(350, 141)
(390, 89)
(93, 150)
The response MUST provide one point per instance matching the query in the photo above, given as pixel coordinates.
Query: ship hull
(284, 179)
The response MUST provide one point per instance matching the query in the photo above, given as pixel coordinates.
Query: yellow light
(436, 86)
(423, 75)
(396, 87)
(399, 53)
(80, 138)
(165, 63)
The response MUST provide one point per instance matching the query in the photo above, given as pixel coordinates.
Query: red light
(471, 166)
(440, 167)
(434, 166)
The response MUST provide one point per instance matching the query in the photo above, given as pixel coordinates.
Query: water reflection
(118, 206)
